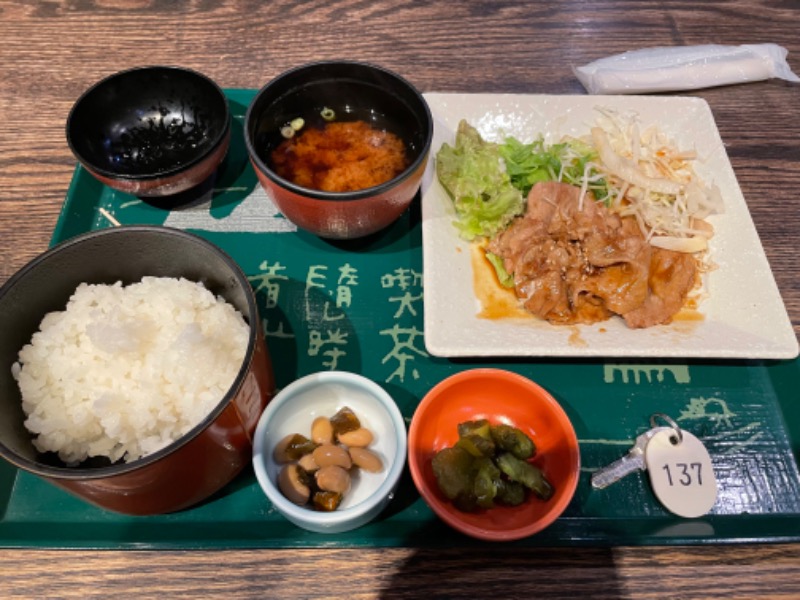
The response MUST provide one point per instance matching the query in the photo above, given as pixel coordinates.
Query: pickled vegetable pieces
(489, 466)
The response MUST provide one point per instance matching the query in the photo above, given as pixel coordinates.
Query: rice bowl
(118, 372)
(213, 451)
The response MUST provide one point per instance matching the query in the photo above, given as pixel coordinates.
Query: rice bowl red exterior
(213, 452)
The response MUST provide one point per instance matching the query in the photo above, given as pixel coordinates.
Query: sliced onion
(689, 245)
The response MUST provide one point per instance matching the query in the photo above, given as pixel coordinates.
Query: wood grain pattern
(763, 572)
(51, 51)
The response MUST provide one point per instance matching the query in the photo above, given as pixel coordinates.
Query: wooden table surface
(50, 51)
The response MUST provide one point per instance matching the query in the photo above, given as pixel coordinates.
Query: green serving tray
(357, 306)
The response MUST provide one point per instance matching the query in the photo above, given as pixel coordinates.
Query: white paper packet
(684, 68)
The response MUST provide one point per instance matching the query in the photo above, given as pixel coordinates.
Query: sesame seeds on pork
(573, 261)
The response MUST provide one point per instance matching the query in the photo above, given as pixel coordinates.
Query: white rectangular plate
(743, 316)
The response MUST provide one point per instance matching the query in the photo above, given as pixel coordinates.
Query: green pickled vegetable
(486, 481)
(513, 440)
(476, 445)
(511, 492)
(466, 502)
(481, 427)
(487, 467)
(453, 470)
(525, 473)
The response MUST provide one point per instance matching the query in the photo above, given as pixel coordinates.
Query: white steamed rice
(126, 370)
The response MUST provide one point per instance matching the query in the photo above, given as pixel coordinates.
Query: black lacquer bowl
(151, 131)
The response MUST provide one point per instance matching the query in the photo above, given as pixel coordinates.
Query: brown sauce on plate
(496, 301)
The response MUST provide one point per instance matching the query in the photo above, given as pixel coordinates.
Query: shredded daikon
(650, 178)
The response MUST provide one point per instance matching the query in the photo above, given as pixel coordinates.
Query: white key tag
(680, 470)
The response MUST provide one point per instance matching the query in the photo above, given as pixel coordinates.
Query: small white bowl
(294, 408)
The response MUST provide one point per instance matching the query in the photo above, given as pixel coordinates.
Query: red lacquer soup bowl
(317, 94)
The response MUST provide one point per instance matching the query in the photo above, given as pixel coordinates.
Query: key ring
(672, 424)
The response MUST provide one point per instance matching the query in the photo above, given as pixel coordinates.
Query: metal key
(631, 462)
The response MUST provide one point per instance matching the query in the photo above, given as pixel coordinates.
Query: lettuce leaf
(474, 175)
(505, 278)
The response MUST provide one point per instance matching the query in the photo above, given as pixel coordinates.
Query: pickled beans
(317, 472)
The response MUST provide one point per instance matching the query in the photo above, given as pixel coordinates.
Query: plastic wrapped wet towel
(684, 68)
